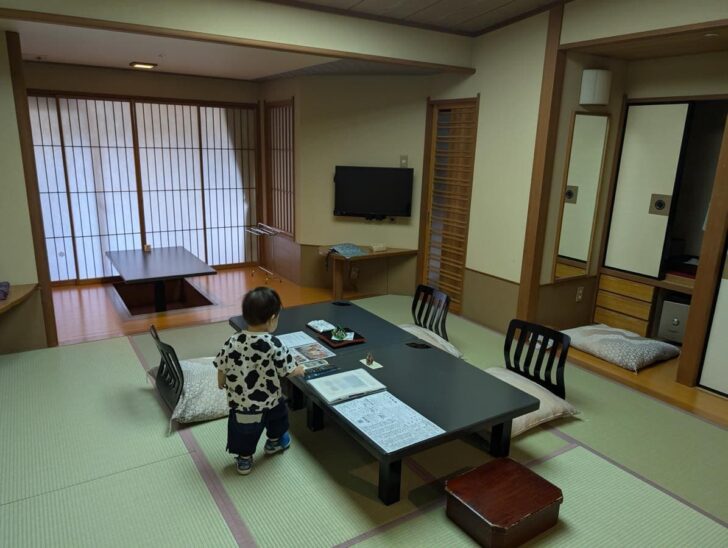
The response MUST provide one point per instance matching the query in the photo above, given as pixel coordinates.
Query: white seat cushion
(620, 347)
(552, 407)
(201, 399)
(432, 339)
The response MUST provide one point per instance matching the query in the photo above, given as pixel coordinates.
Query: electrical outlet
(403, 160)
(354, 272)
(579, 294)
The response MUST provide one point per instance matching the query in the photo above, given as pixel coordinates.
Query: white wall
(593, 19)
(17, 258)
(132, 82)
(509, 65)
(704, 74)
(357, 120)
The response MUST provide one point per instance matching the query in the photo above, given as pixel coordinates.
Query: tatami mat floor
(86, 461)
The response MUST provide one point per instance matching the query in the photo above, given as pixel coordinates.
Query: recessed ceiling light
(140, 65)
(710, 35)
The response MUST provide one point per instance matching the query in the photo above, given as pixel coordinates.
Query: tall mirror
(582, 175)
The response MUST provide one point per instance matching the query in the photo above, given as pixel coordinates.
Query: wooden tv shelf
(340, 263)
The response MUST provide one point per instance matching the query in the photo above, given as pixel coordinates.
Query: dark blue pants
(244, 429)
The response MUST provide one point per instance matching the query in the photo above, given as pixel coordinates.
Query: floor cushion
(433, 339)
(552, 407)
(621, 347)
(201, 399)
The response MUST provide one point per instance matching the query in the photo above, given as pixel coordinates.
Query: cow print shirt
(252, 364)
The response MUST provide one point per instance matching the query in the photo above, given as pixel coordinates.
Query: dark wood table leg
(314, 416)
(160, 298)
(337, 287)
(390, 476)
(296, 399)
(500, 439)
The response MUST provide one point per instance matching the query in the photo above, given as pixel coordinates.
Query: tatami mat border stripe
(566, 437)
(440, 502)
(242, 535)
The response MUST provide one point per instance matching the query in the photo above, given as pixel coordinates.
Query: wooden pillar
(709, 274)
(31, 184)
(543, 160)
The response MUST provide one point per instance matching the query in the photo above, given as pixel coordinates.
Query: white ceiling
(83, 46)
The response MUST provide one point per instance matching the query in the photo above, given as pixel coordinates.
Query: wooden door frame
(529, 291)
(22, 113)
(589, 263)
(709, 274)
(427, 169)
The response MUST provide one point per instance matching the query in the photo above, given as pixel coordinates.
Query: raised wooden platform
(659, 381)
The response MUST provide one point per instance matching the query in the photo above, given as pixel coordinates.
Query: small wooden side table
(340, 264)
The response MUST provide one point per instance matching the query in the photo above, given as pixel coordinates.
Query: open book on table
(347, 385)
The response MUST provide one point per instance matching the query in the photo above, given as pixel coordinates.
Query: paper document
(346, 385)
(387, 421)
(297, 338)
(304, 348)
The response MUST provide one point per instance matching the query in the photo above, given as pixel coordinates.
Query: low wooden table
(502, 503)
(341, 264)
(158, 265)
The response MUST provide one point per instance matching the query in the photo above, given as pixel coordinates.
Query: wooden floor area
(93, 312)
(659, 381)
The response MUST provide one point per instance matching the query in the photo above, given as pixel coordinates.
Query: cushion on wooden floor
(620, 347)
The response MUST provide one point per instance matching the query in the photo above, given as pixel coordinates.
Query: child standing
(249, 367)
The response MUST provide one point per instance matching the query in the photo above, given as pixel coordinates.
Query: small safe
(673, 318)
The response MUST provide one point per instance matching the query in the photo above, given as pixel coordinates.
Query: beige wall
(488, 300)
(357, 120)
(592, 19)
(575, 64)
(17, 258)
(130, 82)
(268, 22)
(704, 74)
(509, 65)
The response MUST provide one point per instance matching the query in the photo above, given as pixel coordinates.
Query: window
(116, 174)
(279, 164)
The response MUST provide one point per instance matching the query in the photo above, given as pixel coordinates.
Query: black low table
(158, 265)
(459, 398)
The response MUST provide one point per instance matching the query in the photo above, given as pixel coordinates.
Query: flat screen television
(373, 192)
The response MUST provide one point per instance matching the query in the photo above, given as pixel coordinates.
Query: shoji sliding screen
(653, 139)
(171, 180)
(84, 157)
(116, 174)
(229, 167)
(279, 164)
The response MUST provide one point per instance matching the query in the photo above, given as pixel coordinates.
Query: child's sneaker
(243, 465)
(276, 446)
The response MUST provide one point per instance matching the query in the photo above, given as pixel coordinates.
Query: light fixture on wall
(140, 65)
(595, 85)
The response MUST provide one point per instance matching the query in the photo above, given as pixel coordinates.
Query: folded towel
(4, 290)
